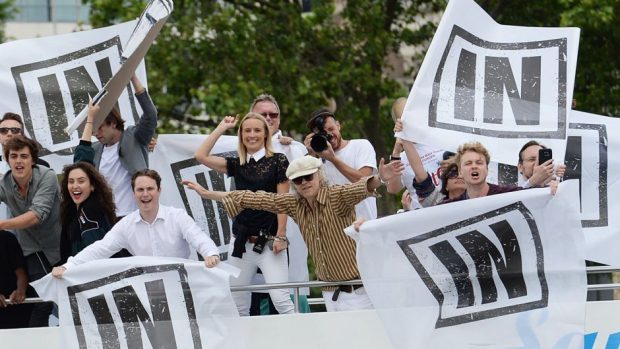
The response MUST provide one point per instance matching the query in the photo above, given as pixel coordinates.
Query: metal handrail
(297, 285)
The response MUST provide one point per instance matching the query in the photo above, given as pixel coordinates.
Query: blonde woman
(259, 236)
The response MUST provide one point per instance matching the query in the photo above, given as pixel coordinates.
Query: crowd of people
(108, 201)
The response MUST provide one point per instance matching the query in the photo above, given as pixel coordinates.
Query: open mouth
(146, 201)
(475, 175)
(76, 195)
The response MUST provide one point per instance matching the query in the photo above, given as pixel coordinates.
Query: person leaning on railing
(322, 212)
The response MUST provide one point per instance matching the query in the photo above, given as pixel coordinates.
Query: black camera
(261, 241)
(318, 142)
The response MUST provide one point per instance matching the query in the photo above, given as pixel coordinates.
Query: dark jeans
(38, 267)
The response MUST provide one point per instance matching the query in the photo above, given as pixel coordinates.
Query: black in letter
(132, 312)
(465, 91)
(458, 270)
(497, 76)
(485, 254)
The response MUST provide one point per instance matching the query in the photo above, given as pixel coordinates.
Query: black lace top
(264, 174)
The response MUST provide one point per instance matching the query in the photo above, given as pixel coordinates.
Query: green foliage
(214, 57)
(6, 12)
(597, 80)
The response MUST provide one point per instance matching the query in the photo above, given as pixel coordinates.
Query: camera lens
(318, 143)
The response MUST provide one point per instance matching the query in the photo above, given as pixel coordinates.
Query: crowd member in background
(427, 193)
(151, 230)
(121, 152)
(267, 106)
(259, 236)
(11, 125)
(31, 193)
(13, 283)
(346, 161)
(533, 174)
(322, 212)
(407, 202)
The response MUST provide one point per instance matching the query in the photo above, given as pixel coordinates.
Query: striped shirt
(322, 227)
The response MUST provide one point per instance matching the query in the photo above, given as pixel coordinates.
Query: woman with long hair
(87, 209)
(260, 237)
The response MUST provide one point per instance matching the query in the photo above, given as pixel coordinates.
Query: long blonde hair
(241, 150)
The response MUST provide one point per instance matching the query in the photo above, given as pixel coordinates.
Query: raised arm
(84, 151)
(146, 126)
(203, 154)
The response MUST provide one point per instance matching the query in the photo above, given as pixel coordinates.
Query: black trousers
(38, 266)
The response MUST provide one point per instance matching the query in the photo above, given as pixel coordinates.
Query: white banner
(174, 159)
(150, 302)
(492, 83)
(592, 157)
(47, 81)
(504, 271)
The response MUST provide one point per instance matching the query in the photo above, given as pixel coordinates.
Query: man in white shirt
(346, 161)
(533, 174)
(152, 230)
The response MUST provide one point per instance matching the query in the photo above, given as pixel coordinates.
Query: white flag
(496, 84)
(144, 302)
(504, 271)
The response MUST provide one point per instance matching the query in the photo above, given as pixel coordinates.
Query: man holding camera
(345, 161)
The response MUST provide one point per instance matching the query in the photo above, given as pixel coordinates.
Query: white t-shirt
(119, 180)
(357, 153)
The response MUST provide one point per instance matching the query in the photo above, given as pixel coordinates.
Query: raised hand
(227, 123)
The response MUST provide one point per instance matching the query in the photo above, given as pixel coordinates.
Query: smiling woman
(260, 236)
(87, 210)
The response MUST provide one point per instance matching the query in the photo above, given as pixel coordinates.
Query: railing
(297, 285)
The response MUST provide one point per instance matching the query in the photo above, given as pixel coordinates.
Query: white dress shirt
(170, 235)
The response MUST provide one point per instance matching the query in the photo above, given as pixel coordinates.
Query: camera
(261, 241)
(318, 142)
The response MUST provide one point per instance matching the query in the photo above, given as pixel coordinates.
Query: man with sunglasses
(12, 125)
(322, 212)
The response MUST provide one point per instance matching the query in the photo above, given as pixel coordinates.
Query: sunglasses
(14, 130)
(271, 115)
(300, 180)
(453, 174)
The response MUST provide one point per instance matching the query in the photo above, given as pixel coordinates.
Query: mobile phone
(544, 155)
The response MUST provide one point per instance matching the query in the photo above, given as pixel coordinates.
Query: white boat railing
(313, 301)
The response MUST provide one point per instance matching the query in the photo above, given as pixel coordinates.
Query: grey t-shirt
(43, 199)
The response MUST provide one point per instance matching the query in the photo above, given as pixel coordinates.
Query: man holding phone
(536, 166)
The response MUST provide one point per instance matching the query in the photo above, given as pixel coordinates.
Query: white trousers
(275, 270)
(356, 300)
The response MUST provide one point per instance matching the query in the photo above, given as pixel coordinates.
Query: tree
(597, 80)
(6, 12)
(214, 57)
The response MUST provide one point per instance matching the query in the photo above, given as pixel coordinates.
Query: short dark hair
(13, 116)
(444, 178)
(320, 113)
(115, 117)
(145, 173)
(527, 145)
(19, 142)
